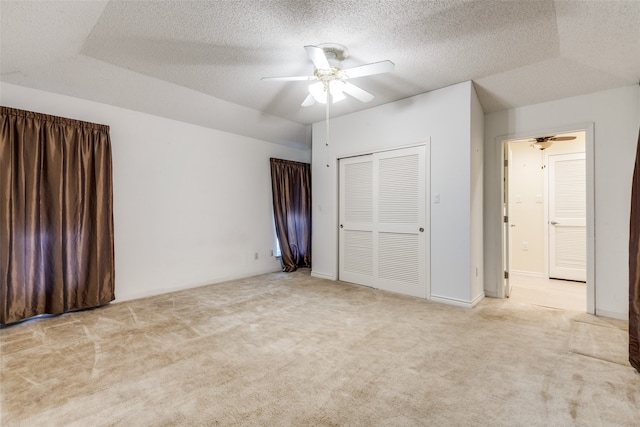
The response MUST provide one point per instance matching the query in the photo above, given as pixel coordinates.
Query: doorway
(546, 236)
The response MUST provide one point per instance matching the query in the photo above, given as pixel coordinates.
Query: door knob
(421, 229)
(554, 223)
(341, 226)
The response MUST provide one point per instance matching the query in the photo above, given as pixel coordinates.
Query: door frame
(588, 129)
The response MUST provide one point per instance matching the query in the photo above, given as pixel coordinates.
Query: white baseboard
(124, 296)
(458, 302)
(528, 273)
(477, 299)
(612, 314)
(323, 276)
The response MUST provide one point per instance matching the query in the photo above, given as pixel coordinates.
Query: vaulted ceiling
(516, 52)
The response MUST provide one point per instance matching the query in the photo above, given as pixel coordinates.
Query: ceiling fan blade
(357, 93)
(562, 138)
(308, 101)
(289, 79)
(369, 69)
(318, 57)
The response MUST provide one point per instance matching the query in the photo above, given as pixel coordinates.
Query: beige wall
(528, 202)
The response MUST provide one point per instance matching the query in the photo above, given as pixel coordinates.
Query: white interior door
(383, 221)
(506, 242)
(567, 217)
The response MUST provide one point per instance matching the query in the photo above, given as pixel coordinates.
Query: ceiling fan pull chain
(326, 140)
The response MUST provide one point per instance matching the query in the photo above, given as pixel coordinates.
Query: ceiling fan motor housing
(334, 52)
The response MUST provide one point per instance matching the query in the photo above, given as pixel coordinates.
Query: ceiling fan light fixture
(331, 78)
(319, 91)
(542, 145)
(544, 142)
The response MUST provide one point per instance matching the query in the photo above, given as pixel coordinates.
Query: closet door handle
(554, 223)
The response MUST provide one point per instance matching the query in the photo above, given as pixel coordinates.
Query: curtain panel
(56, 215)
(634, 266)
(291, 188)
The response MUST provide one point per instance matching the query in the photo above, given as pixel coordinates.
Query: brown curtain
(634, 267)
(56, 221)
(291, 185)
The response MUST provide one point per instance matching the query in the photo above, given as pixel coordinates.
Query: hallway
(562, 294)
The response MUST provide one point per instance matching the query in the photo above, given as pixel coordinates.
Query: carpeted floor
(288, 349)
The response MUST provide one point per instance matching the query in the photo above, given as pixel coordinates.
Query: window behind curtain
(56, 215)
(291, 186)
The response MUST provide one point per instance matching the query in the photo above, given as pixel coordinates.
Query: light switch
(538, 198)
(436, 198)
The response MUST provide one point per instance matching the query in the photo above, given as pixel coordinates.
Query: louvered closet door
(356, 220)
(383, 221)
(399, 212)
(567, 217)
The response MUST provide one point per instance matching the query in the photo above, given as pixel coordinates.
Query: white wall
(192, 205)
(616, 118)
(477, 196)
(109, 84)
(442, 117)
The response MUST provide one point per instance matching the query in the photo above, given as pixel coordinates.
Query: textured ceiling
(516, 52)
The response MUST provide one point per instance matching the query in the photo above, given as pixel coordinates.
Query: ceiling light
(542, 145)
(319, 91)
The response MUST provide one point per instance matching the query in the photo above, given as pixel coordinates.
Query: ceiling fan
(544, 142)
(331, 79)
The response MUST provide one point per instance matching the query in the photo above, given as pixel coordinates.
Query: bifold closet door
(383, 221)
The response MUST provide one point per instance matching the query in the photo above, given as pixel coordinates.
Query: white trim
(323, 276)
(192, 285)
(427, 213)
(545, 198)
(612, 314)
(458, 302)
(425, 142)
(477, 299)
(589, 147)
(527, 273)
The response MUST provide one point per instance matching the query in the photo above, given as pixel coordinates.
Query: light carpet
(288, 349)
